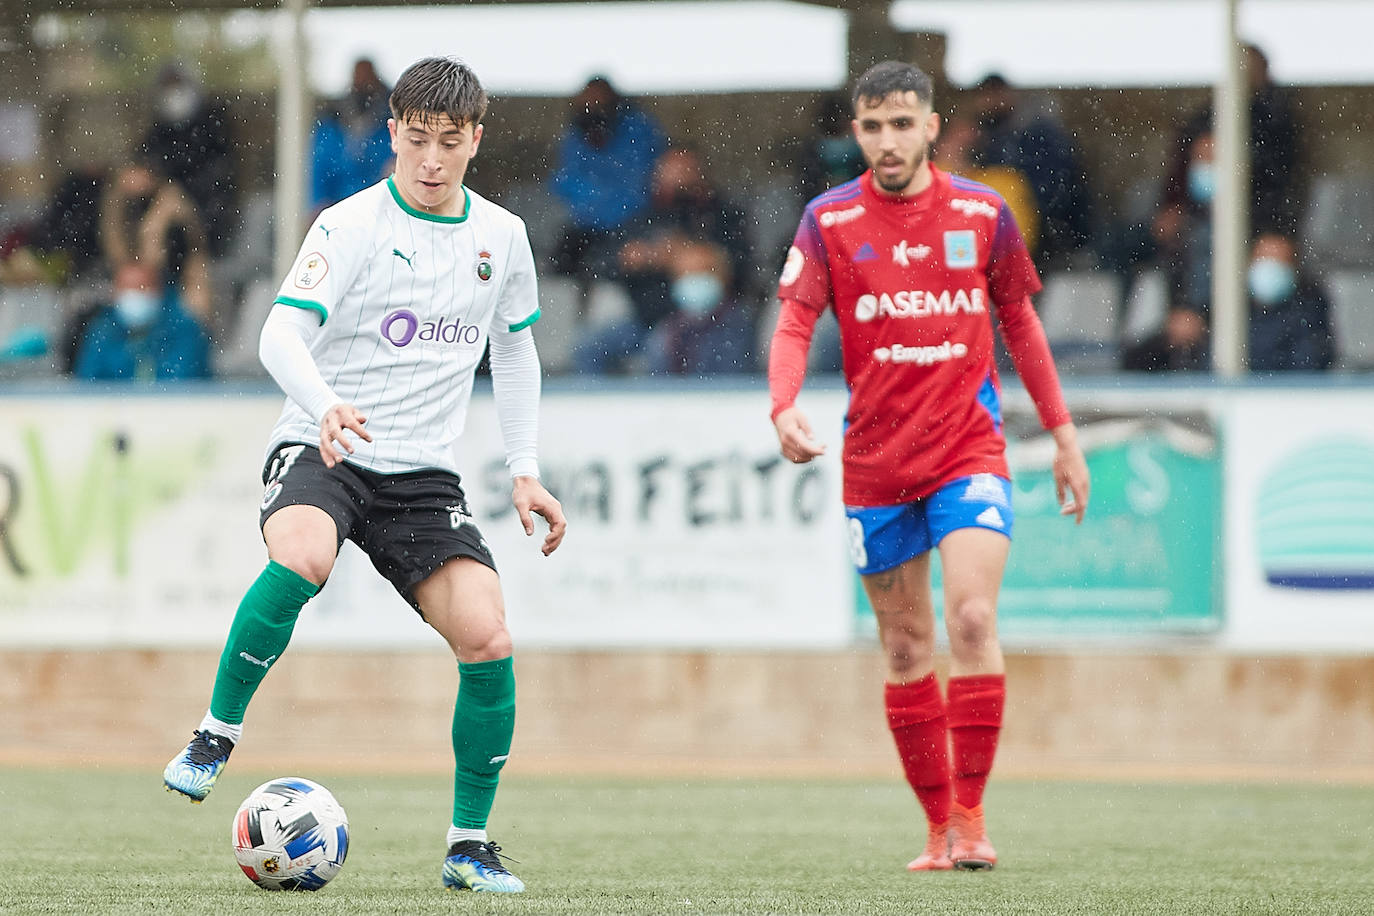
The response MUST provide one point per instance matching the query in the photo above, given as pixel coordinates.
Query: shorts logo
(311, 271)
(484, 266)
(793, 268)
(270, 495)
(960, 248)
(991, 518)
(458, 516)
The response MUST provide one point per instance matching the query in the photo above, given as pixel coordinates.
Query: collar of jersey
(420, 214)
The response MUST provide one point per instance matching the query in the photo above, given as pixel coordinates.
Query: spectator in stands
(1290, 314)
(1029, 137)
(1180, 241)
(140, 333)
(152, 222)
(188, 142)
(1275, 176)
(351, 147)
(832, 156)
(711, 330)
(955, 149)
(685, 207)
(604, 162)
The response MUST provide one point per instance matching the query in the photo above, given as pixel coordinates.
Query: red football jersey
(911, 281)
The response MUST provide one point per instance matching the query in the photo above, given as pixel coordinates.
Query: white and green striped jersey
(406, 300)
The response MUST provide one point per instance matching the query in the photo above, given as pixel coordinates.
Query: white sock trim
(458, 834)
(228, 730)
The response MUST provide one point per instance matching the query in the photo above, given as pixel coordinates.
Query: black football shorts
(407, 524)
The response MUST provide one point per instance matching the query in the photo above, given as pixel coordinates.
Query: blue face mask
(1202, 182)
(1271, 282)
(136, 308)
(697, 294)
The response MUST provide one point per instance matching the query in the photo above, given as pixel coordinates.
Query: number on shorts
(857, 551)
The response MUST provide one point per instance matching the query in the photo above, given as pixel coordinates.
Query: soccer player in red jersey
(916, 263)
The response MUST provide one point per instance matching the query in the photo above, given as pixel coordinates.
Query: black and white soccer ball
(290, 834)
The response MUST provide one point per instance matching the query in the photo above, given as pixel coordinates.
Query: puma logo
(257, 661)
(397, 253)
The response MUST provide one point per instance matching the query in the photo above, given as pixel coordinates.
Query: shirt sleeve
(517, 306)
(787, 353)
(1030, 353)
(806, 273)
(329, 260)
(516, 387)
(284, 348)
(1011, 273)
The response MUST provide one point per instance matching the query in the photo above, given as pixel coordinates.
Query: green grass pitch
(112, 841)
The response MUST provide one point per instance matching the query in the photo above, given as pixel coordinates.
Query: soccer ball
(290, 834)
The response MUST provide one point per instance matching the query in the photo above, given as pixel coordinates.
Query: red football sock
(975, 719)
(916, 715)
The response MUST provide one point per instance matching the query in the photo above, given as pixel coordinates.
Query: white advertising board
(132, 521)
(1300, 521)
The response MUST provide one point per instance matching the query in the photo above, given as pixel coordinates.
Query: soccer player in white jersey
(375, 337)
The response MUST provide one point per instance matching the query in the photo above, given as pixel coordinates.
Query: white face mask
(697, 294)
(136, 308)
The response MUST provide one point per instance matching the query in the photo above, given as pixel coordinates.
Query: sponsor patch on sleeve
(311, 270)
(792, 269)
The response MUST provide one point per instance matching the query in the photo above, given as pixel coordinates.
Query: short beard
(920, 161)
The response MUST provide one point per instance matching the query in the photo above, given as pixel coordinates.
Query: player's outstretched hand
(530, 499)
(1071, 482)
(794, 437)
(332, 425)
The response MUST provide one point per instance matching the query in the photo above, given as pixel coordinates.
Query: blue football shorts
(883, 537)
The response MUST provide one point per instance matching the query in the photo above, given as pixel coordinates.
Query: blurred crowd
(650, 263)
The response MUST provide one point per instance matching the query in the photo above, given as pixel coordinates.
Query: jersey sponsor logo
(484, 266)
(921, 356)
(865, 253)
(840, 217)
(961, 250)
(792, 269)
(970, 207)
(311, 271)
(408, 258)
(401, 327)
(915, 303)
(904, 254)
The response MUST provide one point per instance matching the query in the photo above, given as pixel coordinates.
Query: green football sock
(258, 636)
(483, 724)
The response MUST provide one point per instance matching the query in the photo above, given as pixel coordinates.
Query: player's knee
(972, 623)
(313, 565)
(908, 655)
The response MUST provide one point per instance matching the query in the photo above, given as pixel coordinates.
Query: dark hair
(882, 80)
(439, 86)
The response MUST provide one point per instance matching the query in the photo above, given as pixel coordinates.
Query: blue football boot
(193, 772)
